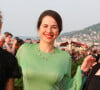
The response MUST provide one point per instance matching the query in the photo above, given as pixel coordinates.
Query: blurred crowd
(12, 44)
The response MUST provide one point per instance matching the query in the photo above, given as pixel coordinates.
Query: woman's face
(48, 29)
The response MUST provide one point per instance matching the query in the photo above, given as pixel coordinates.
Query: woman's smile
(48, 36)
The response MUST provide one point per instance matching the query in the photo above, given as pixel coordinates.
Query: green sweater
(41, 74)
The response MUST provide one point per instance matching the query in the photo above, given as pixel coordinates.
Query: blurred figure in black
(9, 69)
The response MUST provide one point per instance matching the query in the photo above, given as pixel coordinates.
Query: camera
(96, 57)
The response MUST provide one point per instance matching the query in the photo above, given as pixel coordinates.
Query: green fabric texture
(47, 71)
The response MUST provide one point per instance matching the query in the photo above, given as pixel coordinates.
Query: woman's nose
(49, 29)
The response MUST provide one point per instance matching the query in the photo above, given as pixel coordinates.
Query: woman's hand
(87, 63)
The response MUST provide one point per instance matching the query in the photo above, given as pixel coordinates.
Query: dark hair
(7, 34)
(19, 42)
(53, 14)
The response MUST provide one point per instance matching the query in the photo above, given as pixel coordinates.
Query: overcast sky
(20, 16)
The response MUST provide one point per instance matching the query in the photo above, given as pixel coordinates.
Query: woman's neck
(46, 47)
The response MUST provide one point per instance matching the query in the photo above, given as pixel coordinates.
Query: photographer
(94, 73)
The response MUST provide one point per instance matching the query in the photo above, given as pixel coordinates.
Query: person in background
(93, 77)
(17, 42)
(7, 45)
(9, 69)
(45, 67)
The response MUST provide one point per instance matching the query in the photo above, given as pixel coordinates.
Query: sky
(20, 16)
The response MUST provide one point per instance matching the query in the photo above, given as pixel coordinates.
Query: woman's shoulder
(27, 45)
(61, 51)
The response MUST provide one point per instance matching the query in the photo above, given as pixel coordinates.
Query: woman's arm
(10, 84)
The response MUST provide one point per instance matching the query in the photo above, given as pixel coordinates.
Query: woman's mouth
(48, 36)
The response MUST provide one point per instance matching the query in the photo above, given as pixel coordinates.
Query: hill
(89, 34)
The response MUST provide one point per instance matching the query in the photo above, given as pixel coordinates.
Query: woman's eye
(54, 27)
(45, 26)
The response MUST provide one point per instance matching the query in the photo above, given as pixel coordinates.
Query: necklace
(44, 57)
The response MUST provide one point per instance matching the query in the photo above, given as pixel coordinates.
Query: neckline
(45, 52)
(44, 55)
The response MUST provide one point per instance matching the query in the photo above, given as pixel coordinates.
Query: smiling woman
(44, 66)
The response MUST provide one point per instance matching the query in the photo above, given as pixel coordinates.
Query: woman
(45, 67)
